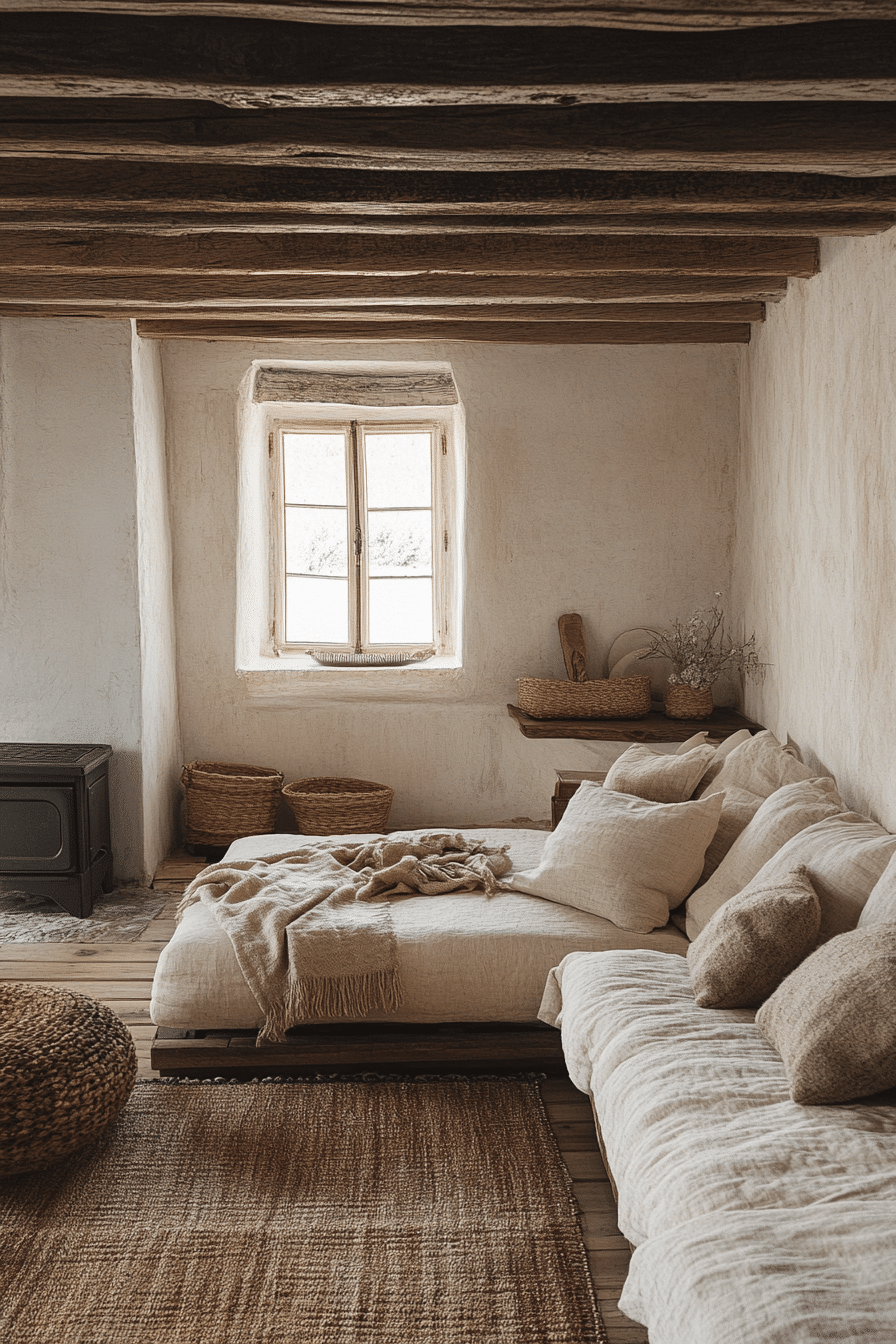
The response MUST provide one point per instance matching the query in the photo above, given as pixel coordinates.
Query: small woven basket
(224, 802)
(681, 702)
(612, 698)
(324, 806)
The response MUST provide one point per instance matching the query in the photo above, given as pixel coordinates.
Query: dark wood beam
(482, 254)
(511, 314)
(242, 62)
(806, 224)
(828, 137)
(350, 291)
(100, 185)
(669, 15)
(516, 333)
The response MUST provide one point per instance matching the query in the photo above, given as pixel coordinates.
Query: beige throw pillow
(722, 752)
(760, 765)
(781, 816)
(880, 908)
(738, 809)
(698, 740)
(833, 1020)
(657, 777)
(624, 858)
(754, 942)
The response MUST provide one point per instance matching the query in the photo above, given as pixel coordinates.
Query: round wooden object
(67, 1067)
(680, 702)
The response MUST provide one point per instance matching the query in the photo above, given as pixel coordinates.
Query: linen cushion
(722, 752)
(622, 857)
(738, 809)
(880, 908)
(833, 1020)
(657, 777)
(698, 740)
(784, 814)
(754, 941)
(760, 765)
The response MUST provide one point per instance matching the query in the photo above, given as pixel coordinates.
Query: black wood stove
(55, 838)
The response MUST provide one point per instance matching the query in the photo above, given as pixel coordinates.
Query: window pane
(316, 541)
(399, 469)
(317, 611)
(314, 468)
(400, 611)
(399, 543)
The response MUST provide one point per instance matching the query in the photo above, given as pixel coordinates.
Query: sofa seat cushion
(695, 1106)
(770, 1276)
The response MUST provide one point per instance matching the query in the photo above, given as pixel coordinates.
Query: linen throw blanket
(312, 928)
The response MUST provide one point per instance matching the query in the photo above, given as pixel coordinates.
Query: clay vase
(681, 702)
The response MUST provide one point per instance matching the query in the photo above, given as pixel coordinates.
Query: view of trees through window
(358, 525)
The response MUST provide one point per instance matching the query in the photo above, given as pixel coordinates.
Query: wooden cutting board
(572, 642)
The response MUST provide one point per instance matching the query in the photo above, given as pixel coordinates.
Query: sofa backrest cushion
(781, 816)
(622, 857)
(880, 908)
(754, 941)
(659, 778)
(739, 807)
(760, 765)
(833, 1020)
(722, 752)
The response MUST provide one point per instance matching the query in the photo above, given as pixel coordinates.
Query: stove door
(37, 828)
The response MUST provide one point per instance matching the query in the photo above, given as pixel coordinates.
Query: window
(361, 536)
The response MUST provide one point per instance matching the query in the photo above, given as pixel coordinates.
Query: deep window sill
(298, 679)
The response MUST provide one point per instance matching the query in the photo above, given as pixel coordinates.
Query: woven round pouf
(67, 1067)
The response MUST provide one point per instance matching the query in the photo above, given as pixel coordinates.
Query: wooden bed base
(359, 1047)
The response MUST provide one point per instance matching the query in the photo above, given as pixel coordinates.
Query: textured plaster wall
(160, 730)
(599, 480)
(69, 623)
(815, 556)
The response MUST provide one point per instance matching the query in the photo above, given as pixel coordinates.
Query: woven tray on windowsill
(612, 698)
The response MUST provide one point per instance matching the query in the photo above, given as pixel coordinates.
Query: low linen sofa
(753, 1153)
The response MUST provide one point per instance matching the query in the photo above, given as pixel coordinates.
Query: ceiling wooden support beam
(828, 137)
(669, 15)
(510, 314)
(535, 333)
(806, 224)
(184, 188)
(404, 291)
(472, 254)
(242, 62)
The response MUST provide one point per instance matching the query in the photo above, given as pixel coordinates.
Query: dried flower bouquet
(700, 650)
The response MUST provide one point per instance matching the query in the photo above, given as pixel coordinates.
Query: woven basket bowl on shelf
(612, 698)
(681, 702)
(224, 801)
(325, 806)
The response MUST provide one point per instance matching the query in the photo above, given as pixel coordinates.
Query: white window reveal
(361, 515)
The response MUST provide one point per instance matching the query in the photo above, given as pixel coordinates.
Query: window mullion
(357, 547)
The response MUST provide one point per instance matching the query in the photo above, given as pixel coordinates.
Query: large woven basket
(612, 698)
(224, 801)
(324, 806)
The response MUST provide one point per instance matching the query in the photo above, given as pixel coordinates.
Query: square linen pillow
(833, 1020)
(624, 858)
(754, 941)
(722, 752)
(738, 809)
(880, 908)
(657, 777)
(760, 765)
(781, 816)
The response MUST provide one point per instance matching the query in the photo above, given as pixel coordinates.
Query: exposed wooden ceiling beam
(539, 333)
(830, 137)
(72, 184)
(511, 314)
(490, 254)
(350, 291)
(668, 15)
(259, 63)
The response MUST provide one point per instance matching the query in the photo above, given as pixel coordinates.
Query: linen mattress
(464, 957)
(755, 1219)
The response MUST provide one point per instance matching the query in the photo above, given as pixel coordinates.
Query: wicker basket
(224, 802)
(324, 806)
(681, 702)
(613, 698)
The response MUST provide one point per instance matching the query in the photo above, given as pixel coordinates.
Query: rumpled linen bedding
(756, 1220)
(464, 957)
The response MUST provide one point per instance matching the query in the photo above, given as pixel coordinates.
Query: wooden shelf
(654, 727)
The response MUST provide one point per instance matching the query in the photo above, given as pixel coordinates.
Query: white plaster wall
(599, 480)
(159, 729)
(69, 626)
(815, 557)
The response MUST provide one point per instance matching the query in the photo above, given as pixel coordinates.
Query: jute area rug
(401, 1212)
(118, 917)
